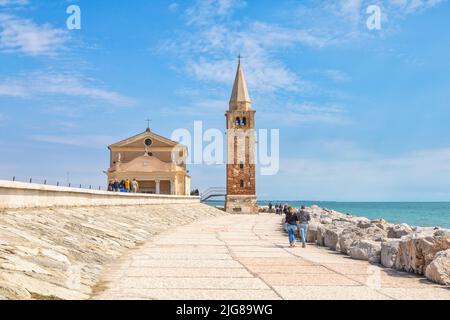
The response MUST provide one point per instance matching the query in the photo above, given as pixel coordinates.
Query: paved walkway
(248, 257)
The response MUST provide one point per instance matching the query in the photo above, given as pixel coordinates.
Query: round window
(148, 142)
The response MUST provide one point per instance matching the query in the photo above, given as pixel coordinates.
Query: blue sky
(363, 114)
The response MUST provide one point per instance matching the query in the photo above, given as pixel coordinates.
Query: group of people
(126, 185)
(279, 208)
(296, 221)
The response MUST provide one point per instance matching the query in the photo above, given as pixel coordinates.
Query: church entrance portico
(159, 186)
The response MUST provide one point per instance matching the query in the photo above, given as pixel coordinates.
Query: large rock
(439, 269)
(321, 235)
(415, 254)
(353, 233)
(348, 236)
(312, 232)
(366, 250)
(331, 239)
(381, 223)
(389, 251)
(399, 230)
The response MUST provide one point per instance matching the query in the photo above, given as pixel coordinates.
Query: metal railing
(213, 192)
(52, 182)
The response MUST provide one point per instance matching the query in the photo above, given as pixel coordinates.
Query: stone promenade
(248, 257)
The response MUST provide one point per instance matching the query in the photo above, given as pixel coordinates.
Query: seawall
(14, 195)
(56, 242)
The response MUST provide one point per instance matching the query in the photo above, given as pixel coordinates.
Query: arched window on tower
(241, 183)
(244, 121)
(238, 121)
(241, 165)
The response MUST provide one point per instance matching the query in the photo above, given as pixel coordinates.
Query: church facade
(240, 124)
(157, 163)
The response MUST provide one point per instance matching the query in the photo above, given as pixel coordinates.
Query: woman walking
(291, 225)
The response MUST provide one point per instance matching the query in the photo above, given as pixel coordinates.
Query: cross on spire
(148, 123)
(239, 58)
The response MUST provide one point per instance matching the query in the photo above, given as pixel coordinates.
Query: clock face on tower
(148, 142)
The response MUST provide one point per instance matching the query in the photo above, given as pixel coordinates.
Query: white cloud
(13, 2)
(336, 75)
(349, 173)
(211, 53)
(67, 84)
(23, 35)
(12, 90)
(85, 141)
(173, 7)
(310, 113)
(204, 12)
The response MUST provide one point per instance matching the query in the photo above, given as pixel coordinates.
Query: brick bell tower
(241, 191)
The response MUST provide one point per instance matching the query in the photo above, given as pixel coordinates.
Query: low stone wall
(29, 195)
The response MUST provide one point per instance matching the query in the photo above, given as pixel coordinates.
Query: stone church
(240, 124)
(157, 163)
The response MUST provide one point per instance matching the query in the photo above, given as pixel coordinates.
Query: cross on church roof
(148, 123)
(239, 58)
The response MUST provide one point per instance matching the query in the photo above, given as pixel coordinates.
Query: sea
(422, 214)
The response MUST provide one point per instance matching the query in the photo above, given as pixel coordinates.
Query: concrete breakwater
(59, 253)
(423, 251)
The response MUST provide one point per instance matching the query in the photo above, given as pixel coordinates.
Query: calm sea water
(425, 214)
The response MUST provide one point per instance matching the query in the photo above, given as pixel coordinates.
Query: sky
(363, 114)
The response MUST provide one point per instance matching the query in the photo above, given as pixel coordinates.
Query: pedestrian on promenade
(303, 218)
(127, 185)
(116, 185)
(291, 221)
(134, 186)
(270, 207)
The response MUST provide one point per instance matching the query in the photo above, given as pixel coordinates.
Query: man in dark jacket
(303, 217)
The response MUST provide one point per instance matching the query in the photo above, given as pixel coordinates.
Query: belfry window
(241, 183)
(238, 121)
(244, 121)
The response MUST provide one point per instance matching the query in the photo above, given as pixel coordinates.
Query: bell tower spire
(240, 99)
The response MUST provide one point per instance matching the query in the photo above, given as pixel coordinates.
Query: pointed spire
(240, 99)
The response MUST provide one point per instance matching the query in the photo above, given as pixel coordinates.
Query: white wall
(30, 195)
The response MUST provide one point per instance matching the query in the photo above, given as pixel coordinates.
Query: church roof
(240, 91)
(146, 134)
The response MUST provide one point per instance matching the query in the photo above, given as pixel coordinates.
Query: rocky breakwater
(424, 251)
(59, 253)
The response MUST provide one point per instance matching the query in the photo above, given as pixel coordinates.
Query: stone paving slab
(329, 293)
(186, 263)
(417, 293)
(284, 270)
(181, 256)
(324, 279)
(192, 294)
(192, 283)
(187, 272)
(238, 257)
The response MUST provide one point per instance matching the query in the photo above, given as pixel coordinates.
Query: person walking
(127, 185)
(291, 224)
(116, 185)
(134, 186)
(303, 218)
(270, 207)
